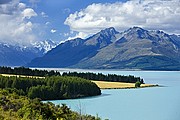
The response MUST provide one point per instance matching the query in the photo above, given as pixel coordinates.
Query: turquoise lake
(155, 103)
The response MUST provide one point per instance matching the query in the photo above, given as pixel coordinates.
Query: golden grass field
(118, 85)
(9, 75)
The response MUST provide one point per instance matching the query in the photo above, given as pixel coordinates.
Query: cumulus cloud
(149, 14)
(21, 6)
(16, 26)
(28, 13)
(79, 35)
(53, 30)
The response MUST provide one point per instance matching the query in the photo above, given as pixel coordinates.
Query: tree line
(27, 71)
(108, 77)
(51, 88)
(89, 76)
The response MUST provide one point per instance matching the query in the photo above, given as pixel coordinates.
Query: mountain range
(135, 48)
(17, 55)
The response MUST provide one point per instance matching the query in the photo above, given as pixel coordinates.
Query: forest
(88, 75)
(51, 88)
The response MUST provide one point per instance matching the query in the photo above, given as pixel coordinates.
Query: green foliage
(15, 107)
(102, 77)
(137, 84)
(27, 71)
(55, 87)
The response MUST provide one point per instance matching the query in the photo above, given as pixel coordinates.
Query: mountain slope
(73, 51)
(134, 48)
(14, 55)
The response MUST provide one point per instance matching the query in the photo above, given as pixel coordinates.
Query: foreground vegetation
(16, 107)
(20, 97)
(51, 88)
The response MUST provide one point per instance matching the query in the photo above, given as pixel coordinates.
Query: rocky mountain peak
(108, 31)
(135, 33)
(135, 29)
(102, 38)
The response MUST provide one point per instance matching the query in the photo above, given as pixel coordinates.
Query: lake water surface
(155, 103)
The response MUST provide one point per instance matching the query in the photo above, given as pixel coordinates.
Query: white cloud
(47, 23)
(28, 13)
(150, 14)
(53, 31)
(22, 5)
(79, 35)
(16, 26)
(43, 14)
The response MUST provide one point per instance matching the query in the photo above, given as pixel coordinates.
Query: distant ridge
(18, 55)
(135, 48)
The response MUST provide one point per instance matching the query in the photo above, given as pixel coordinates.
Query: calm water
(156, 103)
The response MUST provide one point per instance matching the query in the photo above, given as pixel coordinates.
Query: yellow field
(118, 85)
(9, 75)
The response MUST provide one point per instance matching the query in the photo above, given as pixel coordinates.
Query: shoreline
(120, 85)
(130, 87)
(101, 69)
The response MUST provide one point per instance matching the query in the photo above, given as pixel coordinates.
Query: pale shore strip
(119, 85)
(12, 75)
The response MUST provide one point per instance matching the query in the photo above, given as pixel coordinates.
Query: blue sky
(56, 12)
(28, 21)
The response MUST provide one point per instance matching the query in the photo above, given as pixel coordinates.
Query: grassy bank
(119, 85)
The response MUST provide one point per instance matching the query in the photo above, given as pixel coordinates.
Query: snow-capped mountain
(45, 46)
(135, 48)
(16, 55)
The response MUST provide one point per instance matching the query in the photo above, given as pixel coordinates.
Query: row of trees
(89, 76)
(16, 107)
(55, 87)
(109, 77)
(27, 71)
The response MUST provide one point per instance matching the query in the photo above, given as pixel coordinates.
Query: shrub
(137, 84)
